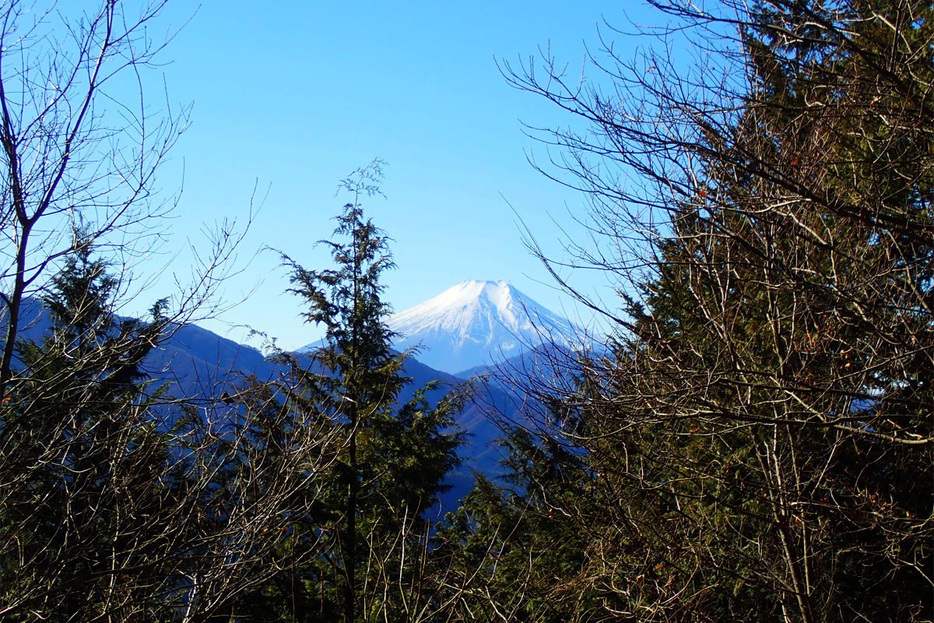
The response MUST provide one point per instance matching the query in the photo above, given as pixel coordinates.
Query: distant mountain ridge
(464, 329)
(476, 323)
(199, 366)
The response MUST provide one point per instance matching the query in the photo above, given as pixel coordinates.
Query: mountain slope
(475, 323)
(200, 366)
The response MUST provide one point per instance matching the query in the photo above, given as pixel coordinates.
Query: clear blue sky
(292, 96)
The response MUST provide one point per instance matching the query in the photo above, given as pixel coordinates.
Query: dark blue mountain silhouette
(199, 365)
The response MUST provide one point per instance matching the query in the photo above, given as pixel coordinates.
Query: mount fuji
(476, 323)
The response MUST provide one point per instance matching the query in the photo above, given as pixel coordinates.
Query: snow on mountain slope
(475, 323)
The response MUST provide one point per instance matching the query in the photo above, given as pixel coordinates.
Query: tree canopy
(759, 437)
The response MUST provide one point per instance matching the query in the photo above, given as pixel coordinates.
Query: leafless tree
(82, 141)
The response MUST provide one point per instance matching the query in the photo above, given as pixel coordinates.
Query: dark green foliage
(512, 553)
(116, 506)
(759, 440)
(371, 528)
(83, 465)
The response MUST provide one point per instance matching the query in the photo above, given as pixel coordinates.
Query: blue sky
(292, 96)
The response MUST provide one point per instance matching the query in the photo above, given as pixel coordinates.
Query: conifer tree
(117, 505)
(83, 512)
(760, 435)
(389, 470)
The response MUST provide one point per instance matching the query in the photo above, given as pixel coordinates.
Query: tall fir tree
(386, 476)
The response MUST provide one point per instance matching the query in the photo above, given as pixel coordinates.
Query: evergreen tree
(386, 476)
(83, 517)
(510, 552)
(116, 506)
(760, 435)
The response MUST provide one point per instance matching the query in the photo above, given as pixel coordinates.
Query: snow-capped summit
(475, 323)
